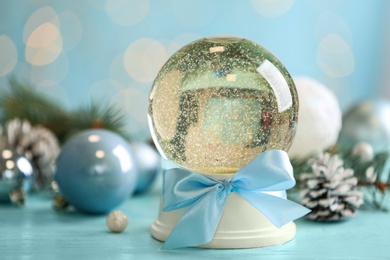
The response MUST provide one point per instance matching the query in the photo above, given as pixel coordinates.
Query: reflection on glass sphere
(219, 102)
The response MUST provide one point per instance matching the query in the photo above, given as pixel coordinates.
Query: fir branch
(23, 102)
(375, 189)
(97, 115)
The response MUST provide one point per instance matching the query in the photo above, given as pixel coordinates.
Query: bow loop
(270, 171)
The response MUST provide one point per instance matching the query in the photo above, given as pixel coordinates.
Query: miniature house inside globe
(219, 102)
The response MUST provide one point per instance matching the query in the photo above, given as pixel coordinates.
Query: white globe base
(241, 226)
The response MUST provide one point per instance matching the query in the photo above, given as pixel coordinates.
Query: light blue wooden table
(38, 232)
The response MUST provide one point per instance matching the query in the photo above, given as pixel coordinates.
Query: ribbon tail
(278, 211)
(199, 222)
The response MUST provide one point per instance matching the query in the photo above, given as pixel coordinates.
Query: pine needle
(97, 115)
(24, 102)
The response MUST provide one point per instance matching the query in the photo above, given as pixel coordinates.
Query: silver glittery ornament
(369, 122)
(39, 145)
(16, 175)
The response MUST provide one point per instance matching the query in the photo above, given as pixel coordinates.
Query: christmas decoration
(370, 168)
(96, 171)
(23, 102)
(363, 152)
(59, 202)
(367, 122)
(361, 157)
(219, 102)
(97, 115)
(319, 119)
(15, 175)
(375, 190)
(116, 221)
(365, 134)
(38, 145)
(148, 165)
(330, 190)
(364, 146)
(215, 108)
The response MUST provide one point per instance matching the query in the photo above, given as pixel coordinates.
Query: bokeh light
(99, 48)
(133, 104)
(330, 22)
(44, 45)
(43, 15)
(50, 75)
(71, 30)
(144, 58)
(127, 13)
(8, 55)
(335, 56)
(194, 13)
(272, 8)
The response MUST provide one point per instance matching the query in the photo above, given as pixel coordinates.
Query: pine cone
(330, 190)
(38, 144)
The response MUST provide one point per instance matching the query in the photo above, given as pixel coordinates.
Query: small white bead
(116, 221)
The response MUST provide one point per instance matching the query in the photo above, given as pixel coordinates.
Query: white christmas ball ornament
(319, 120)
(363, 151)
(116, 221)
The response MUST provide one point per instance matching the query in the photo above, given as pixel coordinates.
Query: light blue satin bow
(205, 197)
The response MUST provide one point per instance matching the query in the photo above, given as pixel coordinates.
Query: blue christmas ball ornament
(96, 171)
(148, 164)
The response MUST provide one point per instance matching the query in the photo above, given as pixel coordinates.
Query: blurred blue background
(112, 49)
